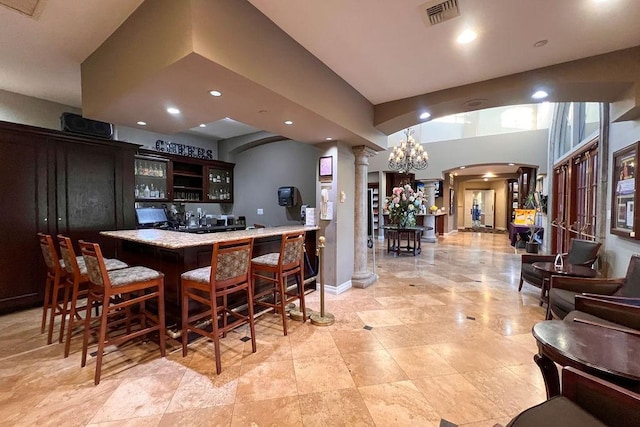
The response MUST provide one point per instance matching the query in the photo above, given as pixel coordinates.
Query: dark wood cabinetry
(513, 199)
(187, 179)
(54, 183)
(394, 179)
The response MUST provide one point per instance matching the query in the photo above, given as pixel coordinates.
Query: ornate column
(361, 276)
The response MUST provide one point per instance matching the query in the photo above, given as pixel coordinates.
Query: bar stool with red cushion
(53, 285)
(275, 269)
(134, 286)
(77, 280)
(227, 275)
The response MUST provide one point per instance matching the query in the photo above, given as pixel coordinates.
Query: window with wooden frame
(576, 201)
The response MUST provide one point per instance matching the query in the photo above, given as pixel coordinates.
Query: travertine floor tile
(216, 416)
(507, 390)
(139, 397)
(398, 403)
(456, 399)
(314, 374)
(397, 336)
(420, 361)
(377, 318)
(267, 380)
(343, 407)
(283, 411)
(355, 341)
(203, 391)
(373, 367)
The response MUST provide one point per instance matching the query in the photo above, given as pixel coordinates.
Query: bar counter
(174, 252)
(177, 240)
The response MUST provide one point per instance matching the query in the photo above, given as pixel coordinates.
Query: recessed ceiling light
(425, 115)
(228, 118)
(172, 110)
(141, 123)
(215, 93)
(202, 125)
(512, 164)
(540, 94)
(462, 167)
(540, 43)
(288, 122)
(328, 138)
(467, 36)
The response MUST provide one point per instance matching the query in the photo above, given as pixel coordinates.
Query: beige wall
(500, 188)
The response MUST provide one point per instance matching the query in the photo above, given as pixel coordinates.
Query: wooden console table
(413, 234)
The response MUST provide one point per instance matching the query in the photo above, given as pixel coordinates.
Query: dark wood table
(414, 234)
(549, 269)
(607, 353)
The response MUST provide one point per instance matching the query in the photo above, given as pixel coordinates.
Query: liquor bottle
(147, 192)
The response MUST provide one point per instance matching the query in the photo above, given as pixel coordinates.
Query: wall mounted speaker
(75, 123)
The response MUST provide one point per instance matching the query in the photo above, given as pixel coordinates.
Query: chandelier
(409, 155)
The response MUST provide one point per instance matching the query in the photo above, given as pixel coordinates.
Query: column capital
(362, 150)
(362, 154)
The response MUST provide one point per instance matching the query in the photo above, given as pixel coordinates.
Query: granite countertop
(177, 240)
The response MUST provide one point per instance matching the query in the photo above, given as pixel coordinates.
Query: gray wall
(618, 250)
(261, 170)
(28, 110)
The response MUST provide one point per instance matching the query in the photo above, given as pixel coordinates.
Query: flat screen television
(150, 217)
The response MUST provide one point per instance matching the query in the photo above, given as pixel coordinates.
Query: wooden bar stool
(55, 275)
(227, 275)
(132, 286)
(77, 280)
(275, 269)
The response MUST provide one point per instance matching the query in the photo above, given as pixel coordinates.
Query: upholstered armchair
(585, 401)
(619, 313)
(563, 290)
(581, 252)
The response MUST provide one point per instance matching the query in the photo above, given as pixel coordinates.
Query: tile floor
(450, 339)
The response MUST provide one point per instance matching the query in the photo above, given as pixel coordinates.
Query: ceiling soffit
(171, 53)
(613, 77)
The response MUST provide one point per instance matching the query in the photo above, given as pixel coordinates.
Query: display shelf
(150, 178)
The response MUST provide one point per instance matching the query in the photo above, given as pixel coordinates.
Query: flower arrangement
(403, 205)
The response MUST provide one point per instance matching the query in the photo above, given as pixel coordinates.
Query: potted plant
(533, 202)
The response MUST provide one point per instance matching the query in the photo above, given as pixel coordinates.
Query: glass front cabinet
(220, 184)
(151, 178)
(182, 179)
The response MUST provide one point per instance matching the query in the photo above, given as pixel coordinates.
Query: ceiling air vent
(435, 12)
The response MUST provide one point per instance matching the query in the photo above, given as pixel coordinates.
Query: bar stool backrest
(68, 255)
(94, 261)
(48, 251)
(230, 263)
(292, 250)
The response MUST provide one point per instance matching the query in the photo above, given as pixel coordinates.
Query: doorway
(479, 208)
